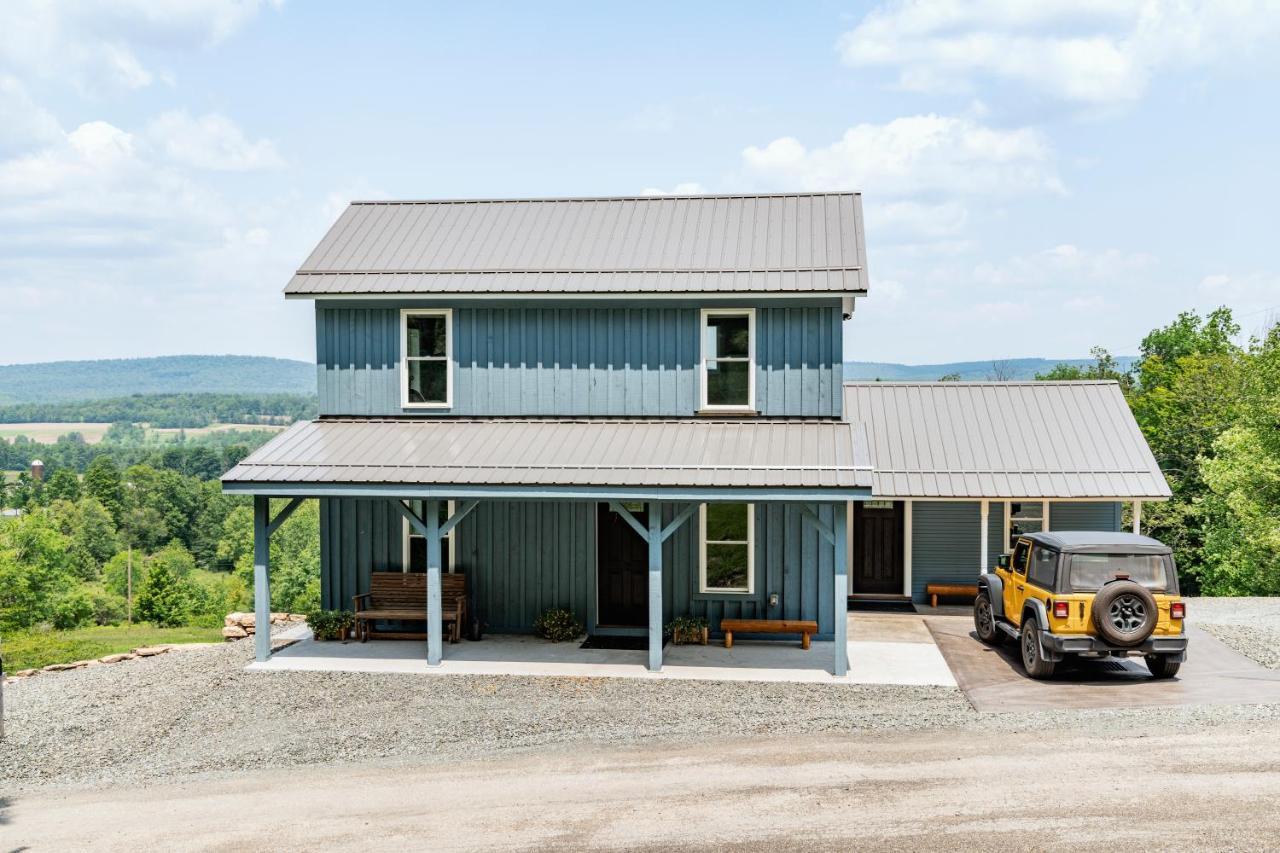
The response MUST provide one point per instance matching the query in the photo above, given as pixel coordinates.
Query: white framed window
(415, 545)
(1023, 517)
(726, 533)
(727, 360)
(426, 358)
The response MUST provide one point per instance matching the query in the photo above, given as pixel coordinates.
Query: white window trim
(1008, 520)
(450, 558)
(751, 555)
(405, 314)
(707, 313)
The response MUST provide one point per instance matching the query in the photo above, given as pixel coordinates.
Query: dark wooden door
(622, 571)
(877, 547)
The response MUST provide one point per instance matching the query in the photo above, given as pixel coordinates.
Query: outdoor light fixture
(773, 599)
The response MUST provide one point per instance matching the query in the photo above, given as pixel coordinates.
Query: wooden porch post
(261, 578)
(1137, 517)
(655, 587)
(840, 665)
(435, 627)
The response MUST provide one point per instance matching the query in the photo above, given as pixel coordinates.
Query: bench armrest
(356, 599)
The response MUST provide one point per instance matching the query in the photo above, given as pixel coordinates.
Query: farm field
(47, 433)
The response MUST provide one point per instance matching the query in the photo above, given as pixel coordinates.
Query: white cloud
(917, 219)
(23, 125)
(212, 142)
(95, 44)
(1089, 51)
(686, 188)
(914, 155)
(1065, 265)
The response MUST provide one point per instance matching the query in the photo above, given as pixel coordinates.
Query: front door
(622, 570)
(877, 547)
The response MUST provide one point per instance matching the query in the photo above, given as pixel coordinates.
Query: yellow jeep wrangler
(1088, 594)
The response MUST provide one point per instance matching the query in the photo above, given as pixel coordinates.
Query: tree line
(169, 410)
(1210, 409)
(152, 540)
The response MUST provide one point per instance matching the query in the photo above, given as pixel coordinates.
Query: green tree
(164, 598)
(63, 485)
(295, 557)
(102, 482)
(1104, 366)
(34, 569)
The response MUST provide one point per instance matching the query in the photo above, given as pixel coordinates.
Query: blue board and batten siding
(522, 557)
(620, 361)
(946, 536)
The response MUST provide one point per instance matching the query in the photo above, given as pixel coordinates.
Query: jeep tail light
(1061, 609)
(1178, 610)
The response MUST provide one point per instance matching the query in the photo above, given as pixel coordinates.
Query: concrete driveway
(993, 679)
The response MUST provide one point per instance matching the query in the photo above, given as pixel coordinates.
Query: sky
(1038, 178)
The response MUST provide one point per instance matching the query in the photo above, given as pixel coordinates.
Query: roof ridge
(902, 383)
(633, 197)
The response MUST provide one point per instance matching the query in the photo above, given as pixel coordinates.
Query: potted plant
(330, 624)
(688, 630)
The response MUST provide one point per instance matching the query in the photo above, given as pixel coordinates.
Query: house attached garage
(960, 469)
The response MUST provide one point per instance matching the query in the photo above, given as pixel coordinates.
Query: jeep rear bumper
(1070, 644)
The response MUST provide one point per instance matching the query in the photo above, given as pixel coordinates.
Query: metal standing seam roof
(801, 243)
(620, 453)
(1003, 440)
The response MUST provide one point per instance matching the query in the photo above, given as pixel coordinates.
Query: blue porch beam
(630, 519)
(263, 527)
(840, 598)
(283, 515)
(429, 527)
(655, 587)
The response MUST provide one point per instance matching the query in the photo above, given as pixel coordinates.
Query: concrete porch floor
(884, 648)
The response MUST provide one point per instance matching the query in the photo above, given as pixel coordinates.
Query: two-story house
(633, 408)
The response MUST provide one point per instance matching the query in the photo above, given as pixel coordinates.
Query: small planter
(688, 631)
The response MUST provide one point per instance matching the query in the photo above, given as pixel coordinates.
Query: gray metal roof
(1003, 440)
(623, 453)
(797, 243)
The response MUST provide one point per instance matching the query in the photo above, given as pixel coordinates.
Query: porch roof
(588, 458)
(1004, 440)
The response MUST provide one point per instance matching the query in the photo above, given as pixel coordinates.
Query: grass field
(47, 433)
(34, 649)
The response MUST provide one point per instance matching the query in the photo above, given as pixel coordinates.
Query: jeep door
(1015, 587)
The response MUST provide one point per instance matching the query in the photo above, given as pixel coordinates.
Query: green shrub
(73, 610)
(330, 624)
(687, 630)
(557, 625)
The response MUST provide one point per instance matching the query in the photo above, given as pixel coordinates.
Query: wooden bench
(402, 597)
(933, 590)
(768, 626)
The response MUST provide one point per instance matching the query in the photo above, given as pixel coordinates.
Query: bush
(557, 625)
(330, 624)
(164, 599)
(73, 610)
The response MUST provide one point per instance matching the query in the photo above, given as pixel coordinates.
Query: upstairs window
(426, 350)
(727, 548)
(728, 359)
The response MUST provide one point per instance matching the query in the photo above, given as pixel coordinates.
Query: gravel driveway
(197, 711)
(1251, 626)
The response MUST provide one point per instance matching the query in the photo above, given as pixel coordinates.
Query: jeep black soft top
(1093, 541)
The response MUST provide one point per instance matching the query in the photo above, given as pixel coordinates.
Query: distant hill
(970, 371)
(61, 381)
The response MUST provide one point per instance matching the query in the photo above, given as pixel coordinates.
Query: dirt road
(1209, 788)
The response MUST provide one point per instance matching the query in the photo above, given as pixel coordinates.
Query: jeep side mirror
(1003, 561)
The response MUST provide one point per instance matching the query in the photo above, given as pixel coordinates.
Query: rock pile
(239, 625)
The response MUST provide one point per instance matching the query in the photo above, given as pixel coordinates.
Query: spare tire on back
(1124, 613)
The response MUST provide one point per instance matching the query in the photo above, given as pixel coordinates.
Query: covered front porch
(529, 497)
(881, 648)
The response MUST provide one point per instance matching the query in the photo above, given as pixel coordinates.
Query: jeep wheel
(1125, 613)
(1162, 666)
(984, 621)
(1033, 660)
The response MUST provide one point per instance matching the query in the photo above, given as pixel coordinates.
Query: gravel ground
(1251, 626)
(197, 711)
